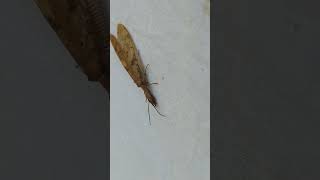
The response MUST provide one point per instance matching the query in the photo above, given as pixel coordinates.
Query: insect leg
(153, 84)
(145, 74)
(145, 70)
(149, 114)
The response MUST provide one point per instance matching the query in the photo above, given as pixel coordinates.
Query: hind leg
(145, 74)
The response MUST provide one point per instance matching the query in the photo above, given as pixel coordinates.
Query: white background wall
(173, 37)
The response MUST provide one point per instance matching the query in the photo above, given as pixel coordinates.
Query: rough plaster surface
(174, 38)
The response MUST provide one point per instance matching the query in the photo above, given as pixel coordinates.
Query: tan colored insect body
(130, 59)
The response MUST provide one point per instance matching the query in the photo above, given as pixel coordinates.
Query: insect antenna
(158, 111)
(145, 74)
(155, 109)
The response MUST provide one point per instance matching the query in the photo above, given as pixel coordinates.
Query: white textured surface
(174, 38)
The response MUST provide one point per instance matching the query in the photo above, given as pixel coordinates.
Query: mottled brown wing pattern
(128, 55)
(126, 39)
(131, 61)
(120, 51)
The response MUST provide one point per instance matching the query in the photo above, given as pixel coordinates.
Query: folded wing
(128, 54)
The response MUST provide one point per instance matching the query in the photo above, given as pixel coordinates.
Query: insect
(82, 27)
(130, 59)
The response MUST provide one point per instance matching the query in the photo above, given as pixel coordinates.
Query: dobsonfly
(82, 27)
(129, 57)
